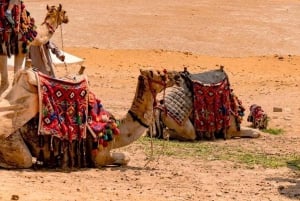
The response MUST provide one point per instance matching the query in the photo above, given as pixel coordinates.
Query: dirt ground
(258, 42)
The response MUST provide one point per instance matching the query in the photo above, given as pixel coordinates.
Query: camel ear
(59, 7)
(146, 72)
(142, 72)
(48, 8)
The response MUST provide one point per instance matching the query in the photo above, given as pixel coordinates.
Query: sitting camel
(20, 144)
(175, 117)
(25, 30)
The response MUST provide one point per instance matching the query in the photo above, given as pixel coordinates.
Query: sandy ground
(258, 42)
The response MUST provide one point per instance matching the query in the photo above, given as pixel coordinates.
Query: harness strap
(136, 118)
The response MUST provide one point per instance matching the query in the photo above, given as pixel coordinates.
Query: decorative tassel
(51, 148)
(40, 159)
(59, 158)
(84, 164)
(70, 154)
(78, 153)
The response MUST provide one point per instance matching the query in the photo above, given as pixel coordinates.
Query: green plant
(219, 151)
(273, 131)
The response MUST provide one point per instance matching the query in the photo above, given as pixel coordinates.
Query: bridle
(163, 83)
(51, 29)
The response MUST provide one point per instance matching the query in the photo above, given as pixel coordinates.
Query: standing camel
(55, 16)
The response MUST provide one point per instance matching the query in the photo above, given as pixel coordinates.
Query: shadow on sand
(290, 187)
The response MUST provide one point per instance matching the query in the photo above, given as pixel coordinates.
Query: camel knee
(120, 158)
(14, 153)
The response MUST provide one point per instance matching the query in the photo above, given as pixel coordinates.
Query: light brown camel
(179, 99)
(55, 16)
(19, 146)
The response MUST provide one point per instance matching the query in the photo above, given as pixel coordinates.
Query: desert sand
(258, 42)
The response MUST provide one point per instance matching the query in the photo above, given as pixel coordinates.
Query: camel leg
(4, 74)
(181, 132)
(120, 158)
(249, 132)
(244, 132)
(105, 158)
(14, 153)
(18, 62)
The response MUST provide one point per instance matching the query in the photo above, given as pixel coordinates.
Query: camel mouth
(65, 20)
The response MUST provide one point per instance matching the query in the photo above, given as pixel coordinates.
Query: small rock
(219, 194)
(280, 188)
(277, 109)
(14, 197)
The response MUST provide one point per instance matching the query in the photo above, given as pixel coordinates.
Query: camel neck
(139, 117)
(44, 32)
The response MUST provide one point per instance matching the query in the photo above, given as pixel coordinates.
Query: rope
(151, 158)
(62, 48)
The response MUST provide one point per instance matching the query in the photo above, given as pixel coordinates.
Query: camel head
(56, 15)
(158, 80)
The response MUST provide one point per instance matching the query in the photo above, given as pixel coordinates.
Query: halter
(50, 27)
(57, 20)
(51, 30)
(153, 92)
(162, 83)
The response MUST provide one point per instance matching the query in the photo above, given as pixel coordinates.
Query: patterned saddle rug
(211, 101)
(67, 109)
(214, 102)
(10, 35)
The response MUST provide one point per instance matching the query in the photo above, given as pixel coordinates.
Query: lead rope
(62, 48)
(151, 127)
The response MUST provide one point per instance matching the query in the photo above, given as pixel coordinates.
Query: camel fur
(19, 143)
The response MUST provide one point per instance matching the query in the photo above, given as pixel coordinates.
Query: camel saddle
(213, 101)
(9, 35)
(68, 108)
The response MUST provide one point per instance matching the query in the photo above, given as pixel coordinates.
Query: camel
(20, 145)
(55, 16)
(179, 101)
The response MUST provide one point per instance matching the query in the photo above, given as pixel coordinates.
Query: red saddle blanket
(63, 107)
(68, 108)
(211, 106)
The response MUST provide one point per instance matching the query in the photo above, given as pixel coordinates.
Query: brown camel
(19, 143)
(179, 100)
(55, 16)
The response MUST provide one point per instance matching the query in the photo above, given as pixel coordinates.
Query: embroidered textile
(258, 117)
(63, 107)
(100, 122)
(211, 106)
